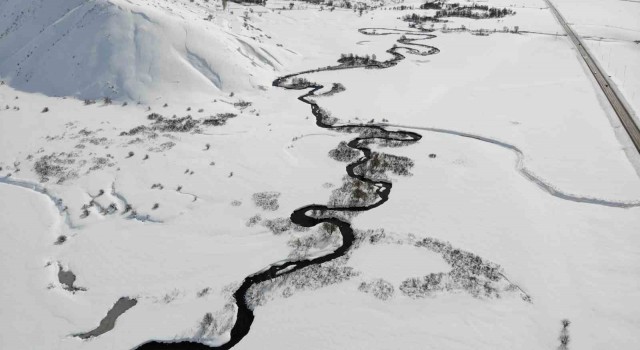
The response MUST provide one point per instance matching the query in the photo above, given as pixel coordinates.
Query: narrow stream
(368, 132)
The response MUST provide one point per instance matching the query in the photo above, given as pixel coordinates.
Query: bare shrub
(60, 240)
(254, 220)
(335, 88)
(353, 192)
(564, 335)
(216, 324)
(299, 83)
(308, 278)
(177, 124)
(325, 116)
(219, 119)
(242, 104)
(55, 165)
(381, 163)
(326, 236)
(469, 273)
(379, 288)
(203, 292)
(267, 200)
(344, 153)
(280, 225)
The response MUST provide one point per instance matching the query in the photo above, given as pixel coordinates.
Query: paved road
(603, 80)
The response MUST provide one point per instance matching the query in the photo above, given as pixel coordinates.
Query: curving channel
(301, 216)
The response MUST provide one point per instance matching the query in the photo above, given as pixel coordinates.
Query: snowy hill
(137, 50)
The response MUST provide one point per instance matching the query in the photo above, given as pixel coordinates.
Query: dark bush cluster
(162, 124)
(381, 163)
(299, 83)
(325, 116)
(203, 292)
(60, 240)
(178, 124)
(182, 124)
(219, 119)
(55, 165)
(416, 18)
(206, 322)
(564, 335)
(353, 193)
(370, 135)
(469, 273)
(329, 213)
(473, 11)
(242, 104)
(165, 146)
(215, 325)
(379, 288)
(254, 220)
(267, 200)
(280, 225)
(426, 285)
(462, 261)
(257, 2)
(308, 278)
(370, 237)
(344, 153)
(468, 12)
(335, 88)
(432, 5)
(327, 236)
(46, 167)
(352, 60)
(111, 209)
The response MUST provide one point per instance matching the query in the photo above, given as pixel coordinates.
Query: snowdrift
(132, 50)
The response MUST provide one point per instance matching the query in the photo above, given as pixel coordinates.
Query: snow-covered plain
(611, 30)
(546, 190)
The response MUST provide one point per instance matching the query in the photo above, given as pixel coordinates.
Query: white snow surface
(611, 30)
(134, 50)
(527, 151)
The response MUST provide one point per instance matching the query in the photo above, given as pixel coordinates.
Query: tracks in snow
(62, 209)
(525, 172)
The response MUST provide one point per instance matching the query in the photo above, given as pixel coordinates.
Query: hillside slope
(136, 50)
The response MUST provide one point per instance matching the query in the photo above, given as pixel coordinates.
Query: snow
(565, 255)
(24, 247)
(611, 31)
(395, 263)
(339, 317)
(131, 50)
(537, 118)
(530, 173)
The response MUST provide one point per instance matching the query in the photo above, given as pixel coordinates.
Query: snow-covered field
(612, 33)
(144, 149)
